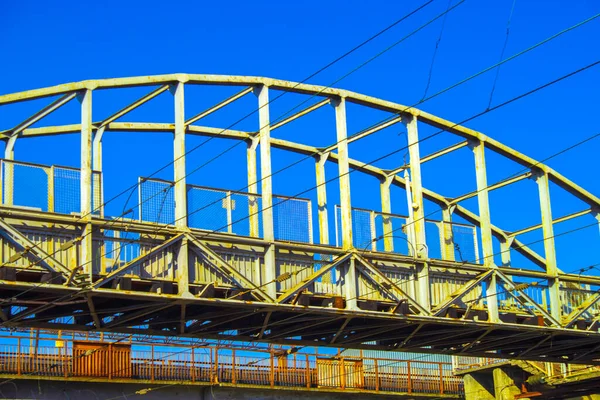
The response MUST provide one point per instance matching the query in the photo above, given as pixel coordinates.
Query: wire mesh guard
(376, 231)
(226, 211)
(47, 188)
(157, 201)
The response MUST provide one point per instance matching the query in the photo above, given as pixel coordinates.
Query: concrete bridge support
(502, 384)
(510, 382)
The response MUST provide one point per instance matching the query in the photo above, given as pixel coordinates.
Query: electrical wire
(133, 187)
(235, 123)
(435, 51)
(430, 97)
(512, 9)
(486, 111)
(388, 154)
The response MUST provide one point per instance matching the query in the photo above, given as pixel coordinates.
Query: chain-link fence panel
(292, 219)
(157, 201)
(26, 185)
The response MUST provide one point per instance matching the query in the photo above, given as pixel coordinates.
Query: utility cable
(512, 9)
(446, 89)
(495, 107)
(281, 117)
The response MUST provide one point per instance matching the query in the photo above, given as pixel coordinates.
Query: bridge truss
(257, 273)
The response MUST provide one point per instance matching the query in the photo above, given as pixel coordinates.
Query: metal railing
(370, 229)
(226, 211)
(49, 188)
(64, 358)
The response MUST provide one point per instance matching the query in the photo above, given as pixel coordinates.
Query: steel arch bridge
(246, 266)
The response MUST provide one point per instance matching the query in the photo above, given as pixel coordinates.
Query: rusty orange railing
(186, 364)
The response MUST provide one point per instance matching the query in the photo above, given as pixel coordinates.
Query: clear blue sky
(45, 44)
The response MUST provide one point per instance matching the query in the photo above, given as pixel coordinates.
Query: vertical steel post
(485, 226)
(386, 209)
(267, 189)
(349, 270)
(418, 222)
(373, 230)
(505, 245)
(50, 189)
(229, 205)
(97, 165)
(86, 256)
(344, 171)
(447, 235)
(322, 198)
(9, 177)
(183, 277)
(252, 186)
(549, 249)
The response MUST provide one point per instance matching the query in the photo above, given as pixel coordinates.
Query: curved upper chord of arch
(203, 261)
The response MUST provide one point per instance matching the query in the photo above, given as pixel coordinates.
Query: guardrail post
(19, 356)
(322, 198)
(441, 379)
(152, 363)
(233, 375)
(229, 205)
(386, 209)
(65, 361)
(272, 369)
(409, 378)
(97, 167)
(51, 189)
(376, 375)
(373, 230)
(342, 374)
(193, 365)
(216, 375)
(307, 372)
(110, 360)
